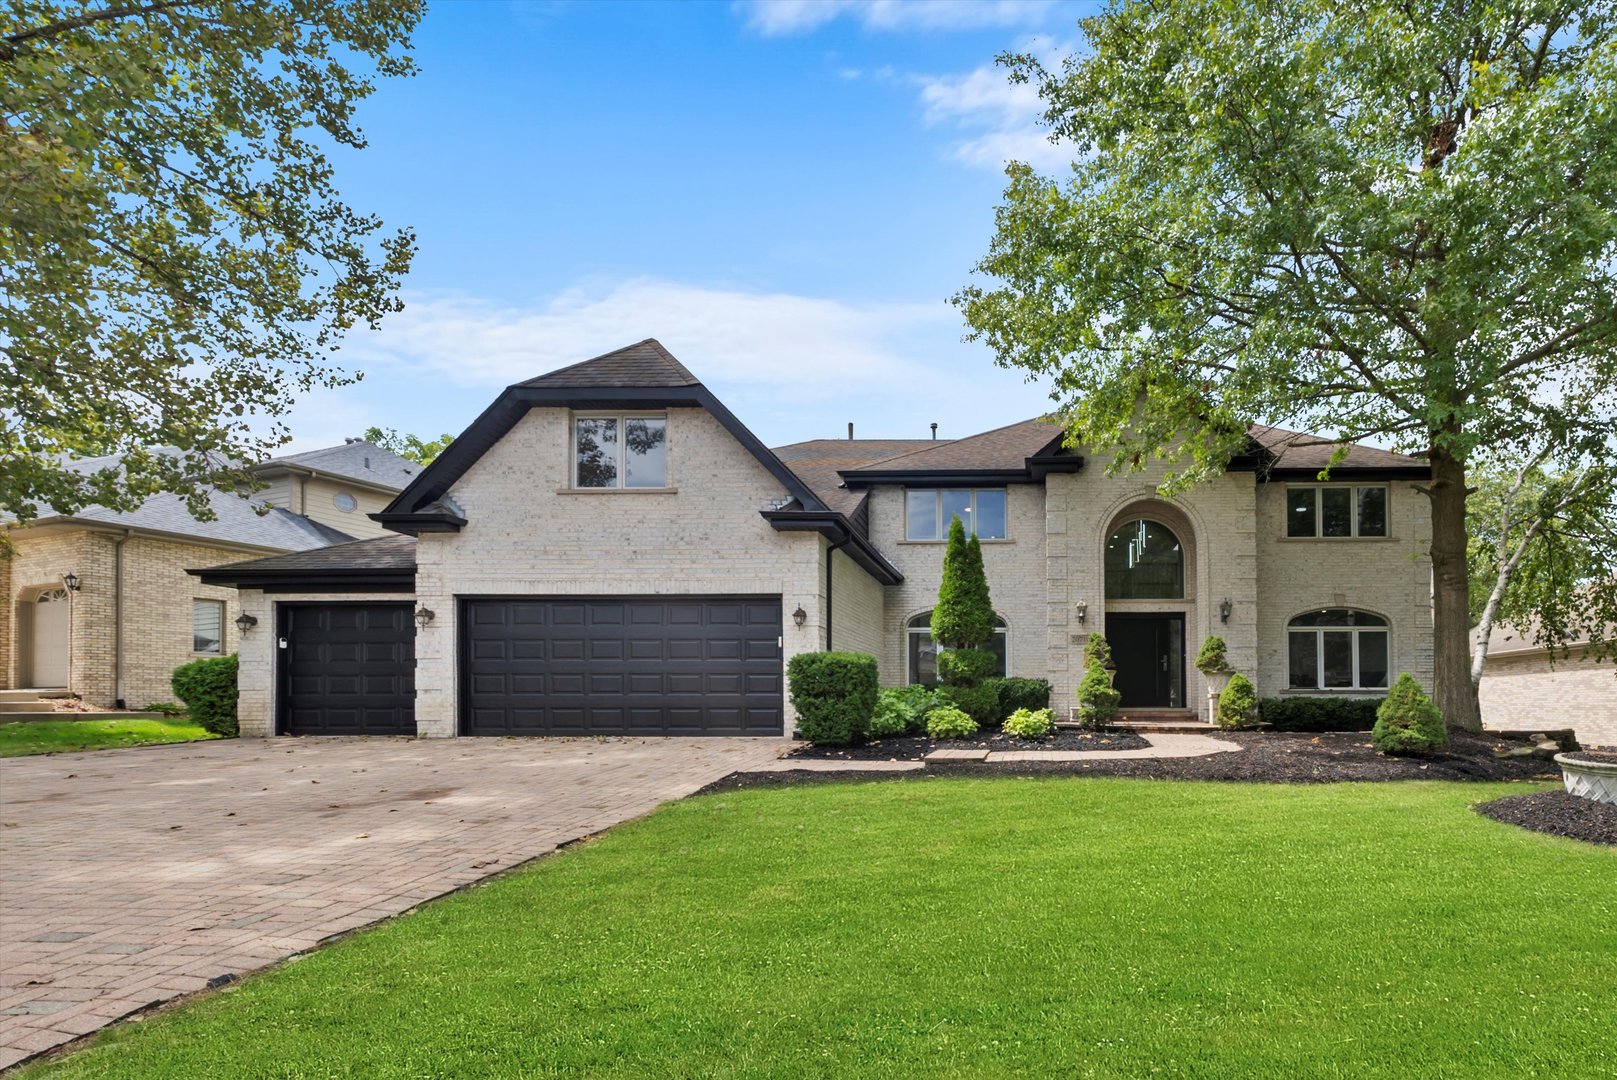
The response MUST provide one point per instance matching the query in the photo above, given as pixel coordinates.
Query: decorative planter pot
(1589, 777)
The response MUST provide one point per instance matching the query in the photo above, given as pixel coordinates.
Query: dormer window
(620, 451)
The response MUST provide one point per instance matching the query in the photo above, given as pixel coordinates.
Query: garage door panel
(631, 665)
(348, 669)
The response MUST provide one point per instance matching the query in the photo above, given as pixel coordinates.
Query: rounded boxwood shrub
(1097, 698)
(1030, 723)
(1238, 704)
(208, 688)
(1030, 694)
(834, 694)
(949, 722)
(981, 703)
(965, 667)
(1408, 722)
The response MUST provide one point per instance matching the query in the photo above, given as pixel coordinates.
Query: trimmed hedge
(1319, 713)
(965, 667)
(208, 688)
(981, 703)
(1014, 694)
(834, 694)
(1408, 722)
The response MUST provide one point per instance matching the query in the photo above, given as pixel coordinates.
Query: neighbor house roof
(820, 461)
(385, 563)
(355, 459)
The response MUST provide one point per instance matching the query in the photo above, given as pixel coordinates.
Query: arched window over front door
(921, 652)
(1144, 561)
(1337, 649)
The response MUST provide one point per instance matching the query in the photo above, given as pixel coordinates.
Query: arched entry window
(1337, 649)
(921, 652)
(1144, 561)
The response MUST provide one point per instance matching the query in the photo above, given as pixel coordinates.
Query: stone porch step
(27, 694)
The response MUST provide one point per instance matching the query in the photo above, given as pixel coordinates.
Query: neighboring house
(607, 549)
(1526, 686)
(99, 603)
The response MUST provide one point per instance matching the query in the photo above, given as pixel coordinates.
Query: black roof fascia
(935, 478)
(308, 580)
(1042, 465)
(836, 528)
(436, 479)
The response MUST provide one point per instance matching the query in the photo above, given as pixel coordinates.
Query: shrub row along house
(607, 549)
(99, 603)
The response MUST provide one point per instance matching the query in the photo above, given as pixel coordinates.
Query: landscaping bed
(1557, 813)
(916, 747)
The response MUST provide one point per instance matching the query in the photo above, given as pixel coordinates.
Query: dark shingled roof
(1298, 450)
(817, 462)
(1003, 448)
(382, 553)
(357, 460)
(645, 363)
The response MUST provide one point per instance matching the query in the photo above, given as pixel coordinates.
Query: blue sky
(784, 193)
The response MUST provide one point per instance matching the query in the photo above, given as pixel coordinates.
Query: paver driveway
(129, 877)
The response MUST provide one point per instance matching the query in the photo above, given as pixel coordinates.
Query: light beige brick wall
(1390, 577)
(38, 562)
(1528, 690)
(528, 534)
(858, 609)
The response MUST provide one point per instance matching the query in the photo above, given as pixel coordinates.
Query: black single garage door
(347, 669)
(621, 665)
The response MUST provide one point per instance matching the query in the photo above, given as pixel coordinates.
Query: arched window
(1144, 561)
(922, 651)
(1337, 649)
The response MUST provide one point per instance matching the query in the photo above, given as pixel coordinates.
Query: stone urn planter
(1590, 775)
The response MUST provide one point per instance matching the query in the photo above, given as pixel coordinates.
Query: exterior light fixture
(423, 616)
(799, 617)
(71, 580)
(1224, 610)
(245, 622)
(1083, 611)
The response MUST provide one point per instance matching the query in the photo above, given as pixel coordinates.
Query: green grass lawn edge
(76, 736)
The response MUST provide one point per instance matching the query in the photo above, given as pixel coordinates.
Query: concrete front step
(37, 715)
(26, 694)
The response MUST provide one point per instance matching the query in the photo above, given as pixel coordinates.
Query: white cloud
(775, 18)
(998, 120)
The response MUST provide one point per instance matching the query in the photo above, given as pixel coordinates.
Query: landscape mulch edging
(917, 747)
(1558, 814)
(1264, 758)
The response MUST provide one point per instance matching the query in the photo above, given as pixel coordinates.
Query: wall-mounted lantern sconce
(799, 617)
(71, 580)
(1083, 611)
(423, 616)
(1224, 610)
(245, 622)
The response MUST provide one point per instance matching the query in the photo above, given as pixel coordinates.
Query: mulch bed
(916, 747)
(1557, 813)
(1265, 757)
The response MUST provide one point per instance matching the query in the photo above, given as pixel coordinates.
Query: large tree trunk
(1452, 689)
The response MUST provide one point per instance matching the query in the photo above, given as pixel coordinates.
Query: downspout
(118, 620)
(830, 560)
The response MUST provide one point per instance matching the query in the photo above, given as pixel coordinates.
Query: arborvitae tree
(963, 617)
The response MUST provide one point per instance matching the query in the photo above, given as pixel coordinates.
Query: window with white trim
(208, 626)
(1336, 510)
(623, 450)
(928, 512)
(1338, 649)
(921, 652)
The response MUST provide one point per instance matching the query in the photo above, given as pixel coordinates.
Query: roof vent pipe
(850, 429)
(934, 429)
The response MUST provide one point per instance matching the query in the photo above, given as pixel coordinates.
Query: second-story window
(1336, 510)
(624, 451)
(927, 512)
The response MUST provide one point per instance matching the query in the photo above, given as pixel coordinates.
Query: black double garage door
(651, 665)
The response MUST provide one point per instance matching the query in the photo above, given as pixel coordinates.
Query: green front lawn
(968, 927)
(64, 736)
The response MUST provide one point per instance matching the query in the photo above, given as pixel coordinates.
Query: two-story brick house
(607, 549)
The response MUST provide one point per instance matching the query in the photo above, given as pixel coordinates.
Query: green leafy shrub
(1238, 704)
(1014, 694)
(165, 708)
(1030, 723)
(981, 703)
(834, 694)
(964, 615)
(208, 688)
(1212, 656)
(910, 703)
(1097, 698)
(887, 720)
(950, 723)
(1319, 713)
(965, 667)
(1097, 650)
(1408, 722)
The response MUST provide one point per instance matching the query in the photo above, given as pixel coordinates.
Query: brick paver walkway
(129, 877)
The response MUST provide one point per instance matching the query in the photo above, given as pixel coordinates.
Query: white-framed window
(345, 502)
(1336, 510)
(208, 626)
(921, 652)
(620, 450)
(1338, 649)
(928, 512)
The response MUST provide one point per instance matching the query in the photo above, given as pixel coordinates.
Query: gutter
(836, 528)
(118, 618)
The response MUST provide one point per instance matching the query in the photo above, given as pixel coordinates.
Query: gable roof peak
(645, 363)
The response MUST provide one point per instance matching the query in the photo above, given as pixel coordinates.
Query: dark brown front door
(621, 665)
(1149, 651)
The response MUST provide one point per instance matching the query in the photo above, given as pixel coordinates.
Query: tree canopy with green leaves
(176, 265)
(417, 449)
(1374, 220)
